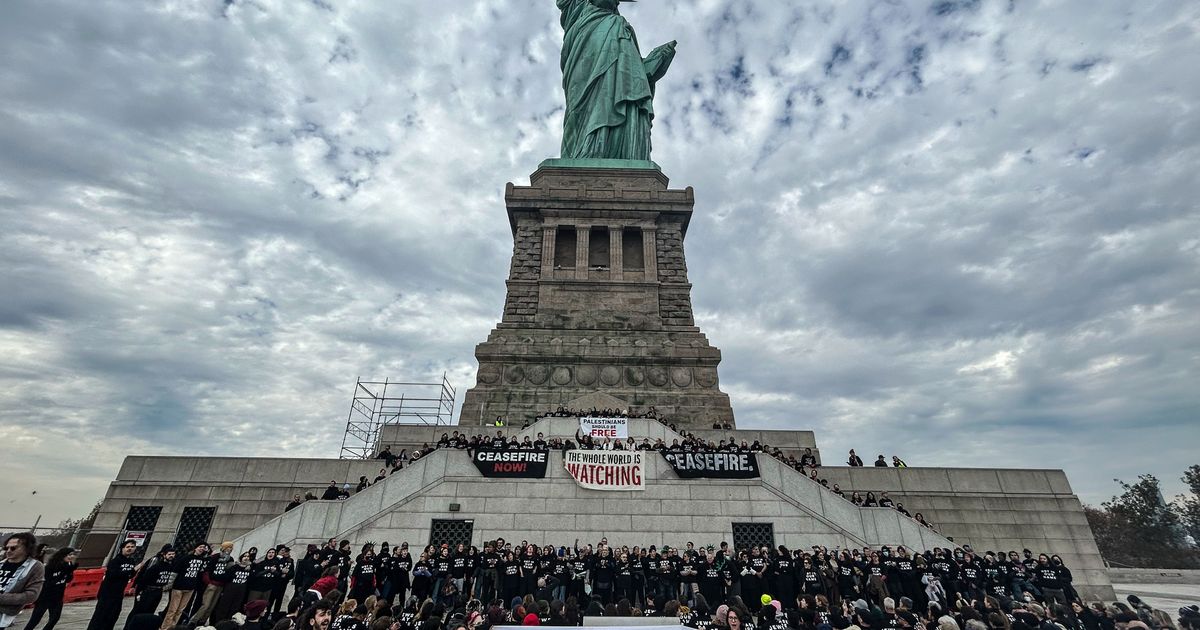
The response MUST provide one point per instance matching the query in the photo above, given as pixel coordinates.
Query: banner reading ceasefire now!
(607, 470)
(516, 462)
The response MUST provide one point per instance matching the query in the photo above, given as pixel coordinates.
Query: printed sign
(516, 462)
(713, 465)
(602, 428)
(607, 470)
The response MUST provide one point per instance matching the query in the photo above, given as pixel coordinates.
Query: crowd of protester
(461, 587)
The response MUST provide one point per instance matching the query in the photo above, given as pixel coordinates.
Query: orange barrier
(84, 585)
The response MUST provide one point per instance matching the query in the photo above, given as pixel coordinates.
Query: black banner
(713, 465)
(512, 462)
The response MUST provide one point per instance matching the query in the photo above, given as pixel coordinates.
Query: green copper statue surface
(609, 86)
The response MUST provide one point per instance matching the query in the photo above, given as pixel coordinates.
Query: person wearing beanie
(531, 619)
(216, 575)
(233, 595)
(254, 611)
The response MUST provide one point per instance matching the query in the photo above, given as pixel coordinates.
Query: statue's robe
(609, 87)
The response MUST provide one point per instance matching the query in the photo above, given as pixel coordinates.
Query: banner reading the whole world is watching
(607, 470)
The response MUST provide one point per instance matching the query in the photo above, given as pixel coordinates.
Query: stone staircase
(401, 507)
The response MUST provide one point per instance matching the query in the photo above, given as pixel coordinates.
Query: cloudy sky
(962, 231)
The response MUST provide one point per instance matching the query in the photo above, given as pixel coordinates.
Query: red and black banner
(513, 462)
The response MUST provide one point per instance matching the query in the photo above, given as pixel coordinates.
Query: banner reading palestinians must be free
(713, 465)
(614, 428)
(517, 462)
(607, 470)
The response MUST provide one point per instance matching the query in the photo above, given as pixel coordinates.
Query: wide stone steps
(555, 509)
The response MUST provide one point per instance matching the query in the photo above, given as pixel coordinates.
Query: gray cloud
(963, 232)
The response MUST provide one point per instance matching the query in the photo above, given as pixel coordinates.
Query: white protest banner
(602, 428)
(606, 470)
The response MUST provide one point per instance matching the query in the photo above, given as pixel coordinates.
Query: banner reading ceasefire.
(517, 462)
(601, 428)
(607, 470)
(713, 465)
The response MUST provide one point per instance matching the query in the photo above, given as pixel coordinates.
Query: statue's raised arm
(609, 86)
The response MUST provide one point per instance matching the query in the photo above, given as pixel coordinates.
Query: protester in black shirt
(262, 577)
(188, 570)
(151, 582)
(233, 596)
(111, 594)
(396, 583)
(784, 572)
(363, 578)
(1050, 578)
(881, 462)
(603, 575)
(510, 577)
(287, 567)
(753, 584)
(331, 492)
(422, 578)
(59, 571)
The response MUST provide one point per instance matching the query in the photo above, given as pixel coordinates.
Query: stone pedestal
(598, 301)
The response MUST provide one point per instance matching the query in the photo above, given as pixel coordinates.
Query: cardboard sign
(607, 470)
(605, 428)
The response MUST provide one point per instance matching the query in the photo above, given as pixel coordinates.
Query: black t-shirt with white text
(7, 571)
(117, 574)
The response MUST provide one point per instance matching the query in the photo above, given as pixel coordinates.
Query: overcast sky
(961, 231)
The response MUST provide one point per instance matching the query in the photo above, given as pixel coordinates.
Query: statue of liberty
(609, 86)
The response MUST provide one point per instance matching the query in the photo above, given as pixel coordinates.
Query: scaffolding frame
(378, 403)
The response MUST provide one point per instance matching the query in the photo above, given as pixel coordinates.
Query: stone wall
(246, 492)
(992, 509)
(579, 325)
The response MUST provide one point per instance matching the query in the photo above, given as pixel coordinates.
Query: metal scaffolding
(377, 403)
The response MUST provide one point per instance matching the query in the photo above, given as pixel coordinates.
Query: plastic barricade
(84, 585)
